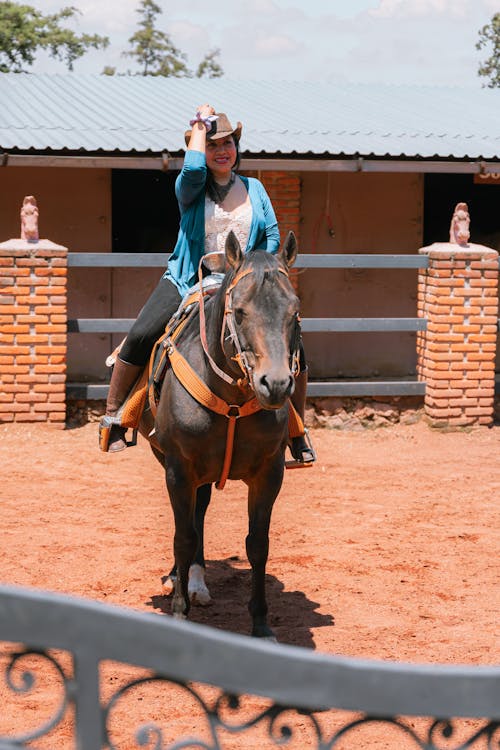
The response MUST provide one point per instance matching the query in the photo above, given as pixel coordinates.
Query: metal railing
(353, 387)
(296, 685)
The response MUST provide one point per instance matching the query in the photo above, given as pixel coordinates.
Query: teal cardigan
(190, 246)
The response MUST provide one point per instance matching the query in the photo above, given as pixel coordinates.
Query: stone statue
(459, 227)
(29, 219)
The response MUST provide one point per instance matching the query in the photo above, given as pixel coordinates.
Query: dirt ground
(388, 548)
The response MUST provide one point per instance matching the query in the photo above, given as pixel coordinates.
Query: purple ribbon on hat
(207, 121)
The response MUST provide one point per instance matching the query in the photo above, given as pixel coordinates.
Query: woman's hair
(236, 164)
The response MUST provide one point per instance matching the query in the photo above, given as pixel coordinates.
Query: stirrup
(105, 426)
(296, 463)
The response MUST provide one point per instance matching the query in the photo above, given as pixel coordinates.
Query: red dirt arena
(387, 549)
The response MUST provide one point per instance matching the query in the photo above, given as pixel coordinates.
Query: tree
(209, 66)
(152, 49)
(157, 55)
(490, 35)
(24, 31)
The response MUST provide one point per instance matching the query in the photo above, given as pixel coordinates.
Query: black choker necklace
(218, 193)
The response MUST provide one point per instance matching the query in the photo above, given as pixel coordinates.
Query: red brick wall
(33, 332)
(458, 294)
(284, 190)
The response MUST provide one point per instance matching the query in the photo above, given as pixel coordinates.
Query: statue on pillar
(459, 227)
(29, 219)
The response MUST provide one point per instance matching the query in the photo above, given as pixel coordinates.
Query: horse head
(459, 227)
(262, 314)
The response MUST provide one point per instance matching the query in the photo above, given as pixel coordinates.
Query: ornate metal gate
(66, 644)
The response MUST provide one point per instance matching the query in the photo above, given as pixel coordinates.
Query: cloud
(393, 41)
(276, 45)
(426, 8)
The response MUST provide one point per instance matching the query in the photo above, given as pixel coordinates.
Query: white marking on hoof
(168, 585)
(197, 588)
(179, 616)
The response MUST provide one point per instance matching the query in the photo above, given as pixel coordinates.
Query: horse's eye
(239, 314)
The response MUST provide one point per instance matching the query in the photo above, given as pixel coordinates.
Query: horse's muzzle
(272, 392)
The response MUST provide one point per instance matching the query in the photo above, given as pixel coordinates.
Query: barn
(353, 170)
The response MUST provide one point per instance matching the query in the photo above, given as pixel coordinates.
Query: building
(350, 168)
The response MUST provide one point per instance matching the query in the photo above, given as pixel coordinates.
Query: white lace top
(218, 223)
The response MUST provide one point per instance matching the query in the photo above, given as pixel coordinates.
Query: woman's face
(221, 156)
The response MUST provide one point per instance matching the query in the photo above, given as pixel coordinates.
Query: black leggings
(150, 323)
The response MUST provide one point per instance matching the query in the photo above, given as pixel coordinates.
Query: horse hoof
(201, 598)
(179, 616)
(197, 588)
(168, 585)
(264, 633)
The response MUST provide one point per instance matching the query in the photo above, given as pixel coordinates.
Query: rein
(198, 389)
(203, 334)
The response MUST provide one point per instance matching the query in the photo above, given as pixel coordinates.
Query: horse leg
(260, 506)
(183, 501)
(197, 588)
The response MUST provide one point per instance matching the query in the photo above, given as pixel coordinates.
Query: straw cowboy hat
(221, 128)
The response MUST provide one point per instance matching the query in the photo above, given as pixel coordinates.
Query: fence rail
(305, 260)
(375, 387)
(298, 682)
(308, 325)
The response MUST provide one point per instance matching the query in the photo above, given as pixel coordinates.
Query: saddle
(148, 385)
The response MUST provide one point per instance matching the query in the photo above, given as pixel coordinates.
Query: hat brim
(236, 133)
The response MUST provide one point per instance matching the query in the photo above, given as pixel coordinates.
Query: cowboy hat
(221, 127)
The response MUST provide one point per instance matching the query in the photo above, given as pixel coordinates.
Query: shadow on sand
(292, 615)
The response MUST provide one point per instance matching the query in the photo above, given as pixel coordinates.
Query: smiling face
(221, 157)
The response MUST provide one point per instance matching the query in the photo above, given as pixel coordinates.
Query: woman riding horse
(213, 200)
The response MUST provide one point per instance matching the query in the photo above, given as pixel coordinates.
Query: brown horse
(244, 352)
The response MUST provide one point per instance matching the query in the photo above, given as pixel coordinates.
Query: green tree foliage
(24, 31)
(489, 37)
(156, 54)
(152, 49)
(209, 66)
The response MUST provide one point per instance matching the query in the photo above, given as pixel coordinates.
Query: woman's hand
(197, 141)
(205, 110)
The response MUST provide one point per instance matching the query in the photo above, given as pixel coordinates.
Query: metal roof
(148, 115)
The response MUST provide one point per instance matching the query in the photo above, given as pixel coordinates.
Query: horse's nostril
(276, 389)
(264, 383)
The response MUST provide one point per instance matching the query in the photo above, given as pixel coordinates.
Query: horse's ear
(288, 252)
(234, 255)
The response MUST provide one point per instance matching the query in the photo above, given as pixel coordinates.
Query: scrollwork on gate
(221, 715)
(22, 672)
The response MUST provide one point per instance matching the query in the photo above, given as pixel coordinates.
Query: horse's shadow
(292, 615)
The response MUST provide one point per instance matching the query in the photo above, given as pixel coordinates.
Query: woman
(212, 200)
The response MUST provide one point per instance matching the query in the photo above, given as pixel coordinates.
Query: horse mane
(264, 266)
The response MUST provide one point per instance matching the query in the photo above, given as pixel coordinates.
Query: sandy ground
(388, 548)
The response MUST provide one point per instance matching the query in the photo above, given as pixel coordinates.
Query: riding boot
(301, 450)
(123, 378)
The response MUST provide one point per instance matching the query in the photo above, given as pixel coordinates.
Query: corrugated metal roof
(131, 114)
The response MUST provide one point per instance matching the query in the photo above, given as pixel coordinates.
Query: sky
(418, 42)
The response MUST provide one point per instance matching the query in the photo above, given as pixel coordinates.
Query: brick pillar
(33, 332)
(458, 295)
(284, 190)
